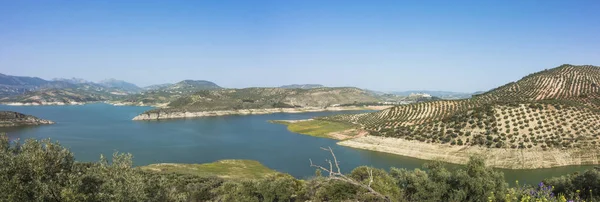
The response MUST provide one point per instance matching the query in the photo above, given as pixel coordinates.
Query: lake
(94, 129)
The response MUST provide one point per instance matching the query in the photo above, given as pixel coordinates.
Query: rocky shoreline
(183, 115)
(498, 158)
(15, 119)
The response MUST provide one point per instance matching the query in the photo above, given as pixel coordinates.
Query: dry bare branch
(370, 176)
(341, 177)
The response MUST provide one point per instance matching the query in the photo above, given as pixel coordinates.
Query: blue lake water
(94, 129)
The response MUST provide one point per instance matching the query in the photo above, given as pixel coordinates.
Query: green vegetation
(317, 128)
(303, 86)
(118, 84)
(45, 171)
(446, 95)
(234, 169)
(555, 108)
(166, 93)
(15, 119)
(265, 98)
(15, 85)
(32, 90)
(80, 94)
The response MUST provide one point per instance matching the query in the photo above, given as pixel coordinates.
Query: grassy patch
(235, 169)
(317, 128)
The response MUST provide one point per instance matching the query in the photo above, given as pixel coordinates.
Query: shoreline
(160, 105)
(516, 159)
(185, 115)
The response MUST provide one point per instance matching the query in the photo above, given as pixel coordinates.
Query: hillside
(303, 86)
(72, 80)
(189, 86)
(156, 86)
(14, 85)
(266, 98)
(163, 94)
(15, 119)
(556, 108)
(119, 84)
(80, 94)
(33, 89)
(446, 95)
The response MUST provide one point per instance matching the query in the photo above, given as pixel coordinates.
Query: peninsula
(15, 119)
(220, 102)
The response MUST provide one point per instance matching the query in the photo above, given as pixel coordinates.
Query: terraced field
(555, 108)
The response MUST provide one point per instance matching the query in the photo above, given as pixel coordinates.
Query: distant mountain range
(157, 86)
(34, 90)
(192, 85)
(119, 84)
(163, 94)
(72, 80)
(303, 86)
(14, 85)
(447, 95)
(21, 90)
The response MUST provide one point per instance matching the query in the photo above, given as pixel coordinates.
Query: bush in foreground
(45, 171)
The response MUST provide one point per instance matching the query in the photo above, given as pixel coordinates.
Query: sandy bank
(183, 115)
(499, 158)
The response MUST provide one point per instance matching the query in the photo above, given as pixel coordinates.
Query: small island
(15, 119)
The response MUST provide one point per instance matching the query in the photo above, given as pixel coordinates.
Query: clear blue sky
(383, 45)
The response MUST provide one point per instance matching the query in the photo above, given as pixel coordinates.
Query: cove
(94, 129)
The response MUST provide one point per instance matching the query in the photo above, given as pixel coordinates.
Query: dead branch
(337, 175)
(337, 165)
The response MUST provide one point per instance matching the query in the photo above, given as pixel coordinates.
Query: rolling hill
(19, 90)
(446, 95)
(15, 85)
(189, 86)
(303, 86)
(163, 94)
(72, 80)
(234, 100)
(555, 108)
(64, 96)
(34, 89)
(119, 84)
(15, 119)
(156, 86)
